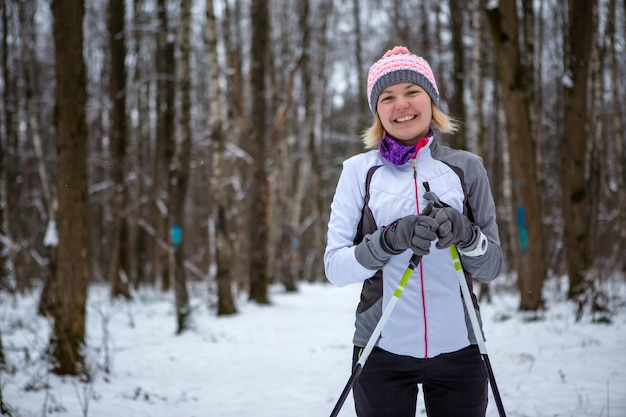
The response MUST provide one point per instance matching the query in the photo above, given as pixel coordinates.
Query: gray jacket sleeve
(487, 266)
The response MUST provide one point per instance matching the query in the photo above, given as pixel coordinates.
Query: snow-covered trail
(292, 359)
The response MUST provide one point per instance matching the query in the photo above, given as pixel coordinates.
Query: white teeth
(404, 119)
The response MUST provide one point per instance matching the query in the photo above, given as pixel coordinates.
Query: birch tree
(288, 136)
(221, 214)
(240, 131)
(304, 138)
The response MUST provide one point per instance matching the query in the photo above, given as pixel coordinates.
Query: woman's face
(405, 112)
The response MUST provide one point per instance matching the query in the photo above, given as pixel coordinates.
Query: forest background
(162, 143)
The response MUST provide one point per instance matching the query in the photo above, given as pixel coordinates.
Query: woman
(427, 339)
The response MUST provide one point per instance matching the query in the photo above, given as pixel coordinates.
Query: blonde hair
(440, 121)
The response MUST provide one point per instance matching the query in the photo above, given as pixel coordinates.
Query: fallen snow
(292, 359)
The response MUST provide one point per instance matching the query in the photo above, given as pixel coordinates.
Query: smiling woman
(405, 112)
(426, 339)
(400, 71)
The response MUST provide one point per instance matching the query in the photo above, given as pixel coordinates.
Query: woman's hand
(453, 227)
(415, 232)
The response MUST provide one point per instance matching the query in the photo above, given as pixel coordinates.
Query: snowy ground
(293, 359)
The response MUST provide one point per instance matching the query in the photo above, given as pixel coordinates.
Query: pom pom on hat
(399, 65)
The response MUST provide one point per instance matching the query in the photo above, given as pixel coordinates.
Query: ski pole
(469, 306)
(358, 367)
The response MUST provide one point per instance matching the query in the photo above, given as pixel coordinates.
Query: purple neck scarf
(399, 154)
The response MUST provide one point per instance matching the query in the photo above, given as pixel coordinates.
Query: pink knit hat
(398, 65)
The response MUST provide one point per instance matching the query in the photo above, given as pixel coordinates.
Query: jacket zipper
(417, 207)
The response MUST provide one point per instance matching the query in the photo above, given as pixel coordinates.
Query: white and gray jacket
(430, 317)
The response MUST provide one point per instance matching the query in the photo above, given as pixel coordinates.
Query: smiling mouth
(405, 119)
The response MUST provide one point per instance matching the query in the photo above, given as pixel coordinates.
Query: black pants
(454, 384)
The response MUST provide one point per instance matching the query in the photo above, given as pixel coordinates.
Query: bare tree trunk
(425, 40)
(240, 131)
(538, 104)
(598, 172)
(529, 23)
(533, 81)
(501, 174)
(619, 209)
(306, 133)
(529, 256)
(26, 15)
(434, 57)
(280, 89)
(138, 144)
(258, 221)
(316, 146)
(476, 120)
(5, 259)
(285, 212)
(289, 183)
(99, 127)
(30, 64)
(13, 164)
(164, 150)
(457, 105)
(145, 160)
(363, 113)
(221, 215)
(541, 138)
(476, 142)
(119, 267)
(179, 171)
(573, 151)
(73, 273)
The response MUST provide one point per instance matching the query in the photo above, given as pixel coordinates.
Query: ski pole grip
(431, 196)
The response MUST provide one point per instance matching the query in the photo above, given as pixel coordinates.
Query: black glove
(454, 227)
(415, 232)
